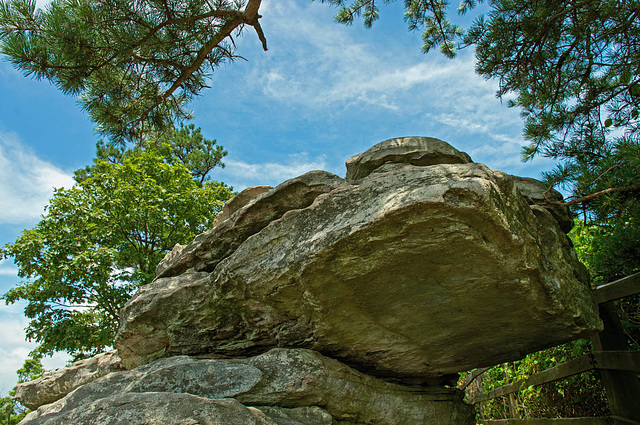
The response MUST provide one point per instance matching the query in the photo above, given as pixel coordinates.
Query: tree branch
(250, 17)
(590, 197)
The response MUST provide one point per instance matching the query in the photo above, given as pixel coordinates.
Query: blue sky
(322, 93)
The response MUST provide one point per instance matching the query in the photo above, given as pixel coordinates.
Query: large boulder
(404, 150)
(280, 387)
(418, 269)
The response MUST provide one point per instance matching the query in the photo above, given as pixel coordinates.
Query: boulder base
(280, 387)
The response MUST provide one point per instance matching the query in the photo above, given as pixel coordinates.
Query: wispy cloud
(330, 66)
(241, 174)
(365, 86)
(26, 182)
(6, 269)
(42, 3)
(330, 63)
(15, 350)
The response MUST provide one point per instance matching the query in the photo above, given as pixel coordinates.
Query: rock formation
(420, 264)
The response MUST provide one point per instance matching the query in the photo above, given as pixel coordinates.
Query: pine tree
(134, 64)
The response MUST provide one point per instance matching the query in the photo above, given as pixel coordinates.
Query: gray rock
(407, 150)
(301, 415)
(534, 192)
(415, 273)
(239, 201)
(159, 408)
(54, 385)
(285, 386)
(210, 247)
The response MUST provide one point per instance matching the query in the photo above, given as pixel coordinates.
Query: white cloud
(15, 350)
(374, 84)
(317, 64)
(241, 174)
(26, 182)
(6, 269)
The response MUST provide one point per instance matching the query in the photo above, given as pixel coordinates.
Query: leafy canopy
(102, 238)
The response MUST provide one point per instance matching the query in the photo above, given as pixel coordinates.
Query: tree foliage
(186, 146)
(102, 238)
(134, 64)
(574, 68)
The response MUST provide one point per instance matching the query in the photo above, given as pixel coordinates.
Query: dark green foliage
(102, 238)
(610, 249)
(11, 413)
(134, 64)
(574, 67)
(186, 146)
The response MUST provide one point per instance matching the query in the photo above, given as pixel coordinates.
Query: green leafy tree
(102, 238)
(186, 146)
(134, 64)
(10, 411)
(581, 395)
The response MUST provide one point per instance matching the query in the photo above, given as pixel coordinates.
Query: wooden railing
(618, 369)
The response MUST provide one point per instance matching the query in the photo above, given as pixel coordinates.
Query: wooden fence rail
(617, 289)
(619, 360)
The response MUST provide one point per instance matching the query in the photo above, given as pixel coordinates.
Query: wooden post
(479, 390)
(622, 386)
(511, 397)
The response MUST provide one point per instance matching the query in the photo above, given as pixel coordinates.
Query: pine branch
(592, 196)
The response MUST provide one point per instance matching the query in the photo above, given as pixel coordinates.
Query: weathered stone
(285, 386)
(305, 415)
(159, 408)
(415, 273)
(210, 247)
(239, 201)
(54, 385)
(406, 150)
(534, 191)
